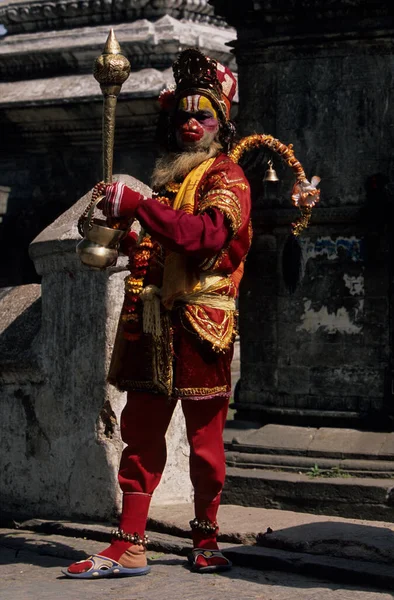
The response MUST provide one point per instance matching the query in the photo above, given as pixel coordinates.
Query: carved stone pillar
(319, 75)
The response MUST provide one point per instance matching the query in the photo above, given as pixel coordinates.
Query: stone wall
(322, 354)
(59, 419)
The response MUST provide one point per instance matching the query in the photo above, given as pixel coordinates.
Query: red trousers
(144, 423)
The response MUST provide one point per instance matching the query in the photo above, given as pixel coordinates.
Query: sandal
(101, 566)
(203, 566)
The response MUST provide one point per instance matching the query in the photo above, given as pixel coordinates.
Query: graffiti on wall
(342, 315)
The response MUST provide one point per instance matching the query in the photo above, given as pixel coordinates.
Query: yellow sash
(178, 279)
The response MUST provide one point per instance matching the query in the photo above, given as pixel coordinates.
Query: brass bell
(270, 174)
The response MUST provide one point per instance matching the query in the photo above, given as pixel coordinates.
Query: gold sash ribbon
(178, 279)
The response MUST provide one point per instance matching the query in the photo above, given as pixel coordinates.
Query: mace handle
(111, 69)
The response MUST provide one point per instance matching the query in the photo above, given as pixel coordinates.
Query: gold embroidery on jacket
(227, 202)
(220, 335)
(222, 181)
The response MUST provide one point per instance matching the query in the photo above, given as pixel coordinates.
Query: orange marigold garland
(134, 284)
(139, 264)
(305, 194)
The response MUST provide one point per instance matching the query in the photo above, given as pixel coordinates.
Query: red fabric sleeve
(201, 235)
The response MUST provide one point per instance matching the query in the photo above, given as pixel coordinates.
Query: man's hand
(120, 201)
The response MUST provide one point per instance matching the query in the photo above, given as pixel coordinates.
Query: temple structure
(316, 364)
(319, 75)
(50, 104)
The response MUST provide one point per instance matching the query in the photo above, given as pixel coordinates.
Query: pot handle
(88, 221)
(85, 221)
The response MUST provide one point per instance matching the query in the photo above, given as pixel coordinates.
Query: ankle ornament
(133, 538)
(207, 527)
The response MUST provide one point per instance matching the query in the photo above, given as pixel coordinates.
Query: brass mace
(99, 248)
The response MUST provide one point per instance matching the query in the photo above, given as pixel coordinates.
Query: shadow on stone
(28, 551)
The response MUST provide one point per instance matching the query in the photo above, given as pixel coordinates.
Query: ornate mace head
(111, 68)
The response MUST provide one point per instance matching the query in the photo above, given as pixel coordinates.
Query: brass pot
(99, 247)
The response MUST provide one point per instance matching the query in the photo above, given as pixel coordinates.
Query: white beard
(173, 167)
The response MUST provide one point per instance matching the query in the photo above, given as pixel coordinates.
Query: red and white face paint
(196, 123)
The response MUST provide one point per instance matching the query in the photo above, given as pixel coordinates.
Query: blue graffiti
(352, 247)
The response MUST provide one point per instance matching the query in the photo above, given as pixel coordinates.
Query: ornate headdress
(194, 72)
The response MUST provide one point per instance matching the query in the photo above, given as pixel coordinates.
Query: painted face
(196, 123)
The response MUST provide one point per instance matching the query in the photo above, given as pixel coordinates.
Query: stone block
(364, 498)
(293, 380)
(20, 318)
(349, 381)
(301, 352)
(252, 349)
(326, 403)
(347, 443)
(259, 308)
(352, 354)
(286, 437)
(255, 399)
(265, 244)
(290, 308)
(259, 376)
(266, 330)
(236, 431)
(387, 448)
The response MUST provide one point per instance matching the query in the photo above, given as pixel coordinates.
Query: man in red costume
(178, 322)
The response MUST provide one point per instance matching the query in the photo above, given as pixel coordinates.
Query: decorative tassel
(151, 323)
(292, 263)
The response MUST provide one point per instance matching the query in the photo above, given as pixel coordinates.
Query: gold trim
(227, 202)
(250, 233)
(214, 286)
(220, 335)
(223, 182)
(173, 187)
(203, 391)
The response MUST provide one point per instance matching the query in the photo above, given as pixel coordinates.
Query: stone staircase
(342, 472)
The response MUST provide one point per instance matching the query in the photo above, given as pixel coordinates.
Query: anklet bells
(133, 538)
(204, 526)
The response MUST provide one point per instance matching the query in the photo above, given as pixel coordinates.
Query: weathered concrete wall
(324, 84)
(59, 418)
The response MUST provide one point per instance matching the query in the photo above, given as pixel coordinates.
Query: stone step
(339, 570)
(363, 498)
(337, 549)
(312, 466)
(324, 442)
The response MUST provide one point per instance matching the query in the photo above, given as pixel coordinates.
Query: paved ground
(283, 563)
(29, 575)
